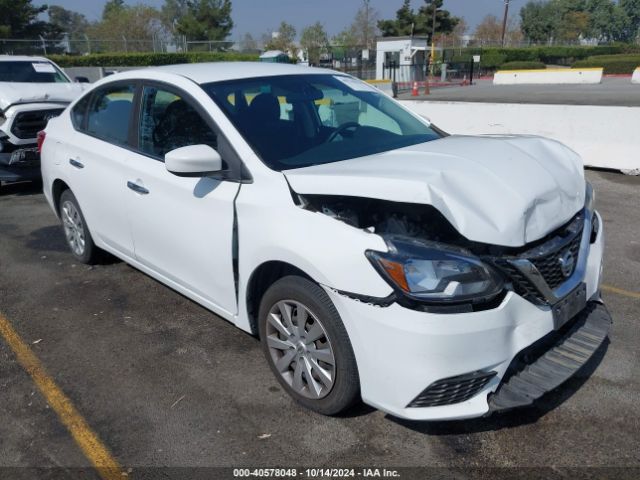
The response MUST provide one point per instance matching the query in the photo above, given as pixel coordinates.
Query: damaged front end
(432, 267)
(19, 126)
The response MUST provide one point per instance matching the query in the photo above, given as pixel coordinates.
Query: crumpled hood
(16, 92)
(501, 190)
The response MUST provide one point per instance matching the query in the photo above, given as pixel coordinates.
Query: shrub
(560, 55)
(492, 59)
(148, 59)
(620, 64)
(523, 66)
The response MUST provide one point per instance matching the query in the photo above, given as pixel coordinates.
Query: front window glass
(110, 113)
(295, 121)
(31, 72)
(169, 122)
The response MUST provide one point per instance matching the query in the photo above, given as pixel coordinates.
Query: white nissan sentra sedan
(433, 276)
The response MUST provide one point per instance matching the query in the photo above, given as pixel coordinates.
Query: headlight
(589, 197)
(427, 273)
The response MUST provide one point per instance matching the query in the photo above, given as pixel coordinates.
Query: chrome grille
(26, 125)
(549, 266)
(452, 390)
(547, 257)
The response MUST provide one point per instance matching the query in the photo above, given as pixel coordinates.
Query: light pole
(433, 32)
(504, 20)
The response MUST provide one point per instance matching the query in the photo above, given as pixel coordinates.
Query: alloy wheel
(300, 349)
(73, 228)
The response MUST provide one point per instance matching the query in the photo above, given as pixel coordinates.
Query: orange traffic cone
(464, 81)
(414, 90)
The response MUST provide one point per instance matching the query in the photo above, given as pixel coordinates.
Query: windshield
(31, 72)
(295, 121)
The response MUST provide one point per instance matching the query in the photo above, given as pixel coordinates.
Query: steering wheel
(342, 128)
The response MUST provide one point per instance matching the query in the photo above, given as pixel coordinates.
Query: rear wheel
(307, 346)
(75, 229)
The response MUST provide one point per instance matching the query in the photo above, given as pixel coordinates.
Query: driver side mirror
(193, 161)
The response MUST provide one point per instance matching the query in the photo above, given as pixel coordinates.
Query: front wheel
(307, 346)
(75, 229)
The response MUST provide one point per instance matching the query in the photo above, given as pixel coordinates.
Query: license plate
(570, 306)
(26, 157)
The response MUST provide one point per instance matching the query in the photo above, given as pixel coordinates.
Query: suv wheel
(75, 229)
(307, 346)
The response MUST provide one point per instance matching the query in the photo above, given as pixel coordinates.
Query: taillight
(41, 136)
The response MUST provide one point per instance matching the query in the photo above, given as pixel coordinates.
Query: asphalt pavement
(164, 383)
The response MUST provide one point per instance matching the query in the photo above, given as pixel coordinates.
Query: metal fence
(354, 60)
(85, 45)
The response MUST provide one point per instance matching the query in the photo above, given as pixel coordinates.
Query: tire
(333, 388)
(76, 231)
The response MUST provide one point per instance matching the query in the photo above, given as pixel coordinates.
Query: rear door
(182, 227)
(94, 159)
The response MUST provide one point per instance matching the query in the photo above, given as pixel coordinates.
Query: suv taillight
(41, 136)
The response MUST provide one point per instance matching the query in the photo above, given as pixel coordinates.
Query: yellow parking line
(87, 440)
(620, 291)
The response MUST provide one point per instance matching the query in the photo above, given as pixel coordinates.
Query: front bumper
(400, 352)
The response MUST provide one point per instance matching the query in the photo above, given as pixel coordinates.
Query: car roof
(22, 58)
(221, 71)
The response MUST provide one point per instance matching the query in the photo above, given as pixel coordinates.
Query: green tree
(364, 26)
(445, 22)
(601, 13)
(284, 40)
(363, 30)
(72, 23)
(113, 8)
(206, 20)
(539, 21)
(631, 10)
(403, 23)
(314, 41)
(408, 22)
(346, 38)
(131, 29)
(172, 11)
(489, 31)
(20, 19)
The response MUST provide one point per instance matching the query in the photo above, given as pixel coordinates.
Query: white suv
(377, 257)
(32, 91)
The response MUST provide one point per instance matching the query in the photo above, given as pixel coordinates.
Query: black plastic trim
(552, 360)
(452, 390)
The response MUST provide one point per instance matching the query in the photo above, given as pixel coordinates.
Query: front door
(182, 227)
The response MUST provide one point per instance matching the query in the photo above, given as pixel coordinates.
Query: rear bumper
(401, 352)
(14, 170)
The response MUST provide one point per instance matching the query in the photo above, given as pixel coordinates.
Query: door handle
(137, 188)
(76, 163)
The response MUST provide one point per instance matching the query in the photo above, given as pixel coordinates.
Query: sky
(259, 16)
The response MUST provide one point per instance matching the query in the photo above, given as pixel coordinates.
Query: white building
(402, 59)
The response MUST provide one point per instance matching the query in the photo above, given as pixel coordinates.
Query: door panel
(182, 227)
(95, 164)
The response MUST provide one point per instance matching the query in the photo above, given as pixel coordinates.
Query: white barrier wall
(606, 137)
(548, 76)
(636, 76)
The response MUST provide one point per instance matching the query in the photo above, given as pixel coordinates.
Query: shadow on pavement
(20, 188)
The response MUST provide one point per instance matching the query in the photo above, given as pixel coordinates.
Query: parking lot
(161, 382)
